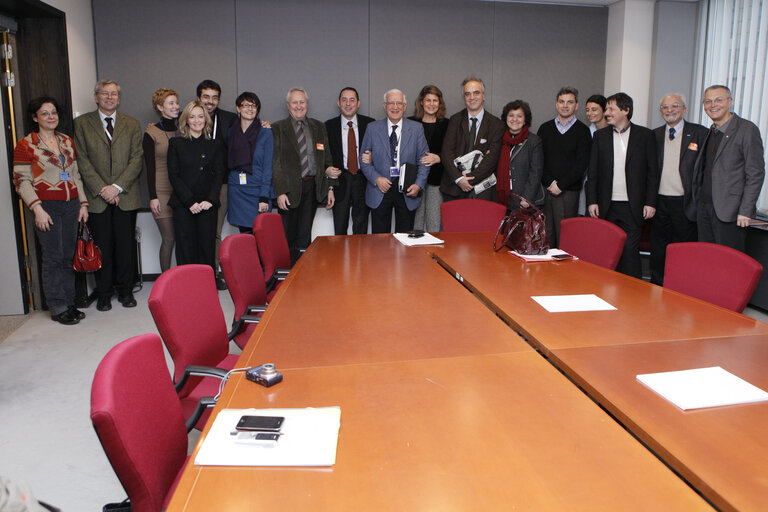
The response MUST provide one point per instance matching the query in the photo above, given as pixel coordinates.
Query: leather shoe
(65, 318)
(127, 301)
(76, 312)
(104, 303)
(221, 284)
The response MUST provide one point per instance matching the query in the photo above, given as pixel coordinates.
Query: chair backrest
(185, 305)
(138, 419)
(242, 271)
(471, 215)
(594, 240)
(270, 239)
(712, 272)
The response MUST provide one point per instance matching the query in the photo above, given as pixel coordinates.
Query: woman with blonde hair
(196, 168)
(155, 144)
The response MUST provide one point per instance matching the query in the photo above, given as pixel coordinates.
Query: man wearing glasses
(471, 129)
(728, 173)
(109, 153)
(678, 143)
(302, 170)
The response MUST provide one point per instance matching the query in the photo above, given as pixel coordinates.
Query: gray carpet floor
(46, 436)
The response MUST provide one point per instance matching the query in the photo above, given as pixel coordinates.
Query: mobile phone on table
(562, 257)
(260, 423)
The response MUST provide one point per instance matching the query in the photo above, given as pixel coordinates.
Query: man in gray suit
(109, 153)
(728, 174)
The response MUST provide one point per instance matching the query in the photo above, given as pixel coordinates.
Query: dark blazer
(225, 121)
(333, 127)
(738, 172)
(101, 163)
(488, 141)
(693, 141)
(526, 169)
(196, 170)
(641, 169)
(286, 162)
(413, 145)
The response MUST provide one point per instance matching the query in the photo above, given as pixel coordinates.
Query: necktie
(351, 150)
(393, 146)
(472, 134)
(302, 140)
(671, 134)
(110, 128)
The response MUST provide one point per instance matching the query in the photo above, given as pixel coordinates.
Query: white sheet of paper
(565, 303)
(703, 387)
(427, 239)
(309, 439)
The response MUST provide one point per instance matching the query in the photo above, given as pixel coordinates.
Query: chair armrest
(238, 324)
(199, 371)
(202, 404)
(281, 272)
(255, 309)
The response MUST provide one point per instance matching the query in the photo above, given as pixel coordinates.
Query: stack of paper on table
(427, 239)
(309, 439)
(703, 387)
(567, 303)
(530, 258)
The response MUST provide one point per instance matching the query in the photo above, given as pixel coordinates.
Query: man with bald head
(390, 144)
(678, 143)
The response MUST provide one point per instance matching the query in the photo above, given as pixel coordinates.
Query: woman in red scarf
(521, 161)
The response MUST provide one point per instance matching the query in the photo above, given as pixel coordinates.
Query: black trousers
(58, 248)
(713, 230)
(620, 214)
(297, 222)
(352, 196)
(669, 225)
(113, 231)
(557, 208)
(195, 236)
(381, 217)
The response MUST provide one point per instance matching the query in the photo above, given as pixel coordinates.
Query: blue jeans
(58, 247)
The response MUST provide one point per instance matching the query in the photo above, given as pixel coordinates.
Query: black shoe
(221, 284)
(65, 318)
(127, 301)
(76, 312)
(104, 303)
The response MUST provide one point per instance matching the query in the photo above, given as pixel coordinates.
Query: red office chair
(471, 215)
(594, 240)
(273, 248)
(245, 281)
(185, 305)
(139, 421)
(712, 272)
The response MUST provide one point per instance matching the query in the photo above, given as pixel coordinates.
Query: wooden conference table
(443, 406)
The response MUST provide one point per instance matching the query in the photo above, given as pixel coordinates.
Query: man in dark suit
(728, 173)
(471, 129)
(344, 139)
(393, 142)
(623, 177)
(209, 94)
(302, 170)
(109, 153)
(678, 143)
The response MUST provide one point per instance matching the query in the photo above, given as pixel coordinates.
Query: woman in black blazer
(521, 161)
(196, 169)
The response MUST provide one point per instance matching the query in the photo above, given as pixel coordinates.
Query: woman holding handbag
(46, 177)
(521, 160)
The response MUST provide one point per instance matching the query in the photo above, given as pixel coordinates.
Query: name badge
(394, 172)
(243, 178)
(693, 146)
(64, 176)
(320, 147)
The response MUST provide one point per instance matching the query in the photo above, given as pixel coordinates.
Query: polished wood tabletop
(644, 312)
(362, 299)
(486, 432)
(722, 451)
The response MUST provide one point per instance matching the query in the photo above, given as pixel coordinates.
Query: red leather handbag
(87, 253)
(523, 230)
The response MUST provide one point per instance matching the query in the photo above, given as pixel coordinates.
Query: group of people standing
(205, 164)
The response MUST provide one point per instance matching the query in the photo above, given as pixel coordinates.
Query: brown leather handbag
(523, 230)
(87, 253)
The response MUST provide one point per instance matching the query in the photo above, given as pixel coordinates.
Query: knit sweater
(37, 171)
(566, 156)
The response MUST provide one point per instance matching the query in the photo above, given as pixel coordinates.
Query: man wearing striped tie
(302, 170)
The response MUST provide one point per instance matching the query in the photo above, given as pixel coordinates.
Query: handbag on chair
(523, 230)
(87, 253)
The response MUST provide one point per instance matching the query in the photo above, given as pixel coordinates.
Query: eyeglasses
(247, 105)
(48, 114)
(674, 105)
(395, 103)
(109, 94)
(717, 101)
